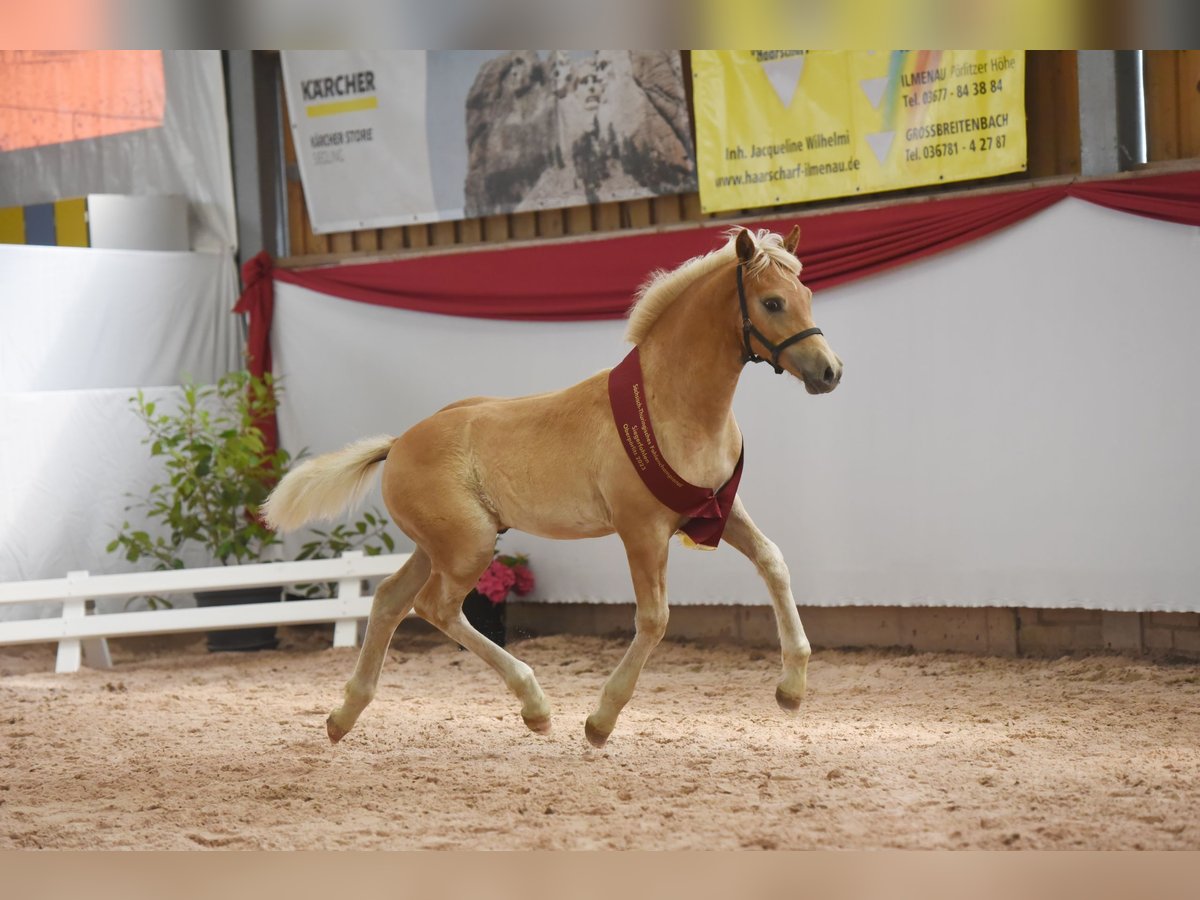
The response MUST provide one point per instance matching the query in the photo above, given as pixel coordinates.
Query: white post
(70, 653)
(345, 630)
(95, 653)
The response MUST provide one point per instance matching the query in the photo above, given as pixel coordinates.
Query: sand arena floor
(178, 748)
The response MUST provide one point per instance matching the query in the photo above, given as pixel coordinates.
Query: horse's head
(776, 310)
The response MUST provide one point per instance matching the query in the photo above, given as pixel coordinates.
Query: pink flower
(496, 581)
(523, 579)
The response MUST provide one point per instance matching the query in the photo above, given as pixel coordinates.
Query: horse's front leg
(743, 534)
(647, 555)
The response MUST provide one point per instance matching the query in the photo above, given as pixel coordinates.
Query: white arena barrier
(82, 635)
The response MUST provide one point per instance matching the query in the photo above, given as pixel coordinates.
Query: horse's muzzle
(823, 379)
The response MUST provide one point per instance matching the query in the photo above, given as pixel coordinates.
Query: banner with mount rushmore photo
(399, 137)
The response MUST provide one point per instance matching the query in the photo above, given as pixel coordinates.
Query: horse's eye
(773, 304)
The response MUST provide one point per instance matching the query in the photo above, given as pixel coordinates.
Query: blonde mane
(663, 287)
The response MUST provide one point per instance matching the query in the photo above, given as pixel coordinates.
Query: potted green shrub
(218, 470)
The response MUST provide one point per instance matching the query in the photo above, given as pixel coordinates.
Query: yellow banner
(784, 126)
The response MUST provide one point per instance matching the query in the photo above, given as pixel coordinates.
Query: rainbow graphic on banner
(59, 224)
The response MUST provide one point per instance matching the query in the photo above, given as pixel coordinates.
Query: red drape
(596, 279)
(258, 302)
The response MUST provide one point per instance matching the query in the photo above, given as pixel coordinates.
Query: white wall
(1018, 423)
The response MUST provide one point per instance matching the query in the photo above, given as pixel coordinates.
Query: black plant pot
(487, 617)
(240, 639)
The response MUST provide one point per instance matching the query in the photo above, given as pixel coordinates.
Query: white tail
(326, 485)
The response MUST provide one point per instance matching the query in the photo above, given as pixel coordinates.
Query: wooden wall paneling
(470, 231)
(495, 228)
(416, 236)
(391, 239)
(550, 223)
(1040, 115)
(1068, 151)
(665, 210)
(443, 234)
(1161, 82)
(299, 232)
(1189, 103)
(522, 226)
(636, 214)
(689, 205)
(1172, 85)
(313, 243)
(366, 240)
(341, 242)
(295, 201)
(606, 216)
(1052, 112)
(578, 219)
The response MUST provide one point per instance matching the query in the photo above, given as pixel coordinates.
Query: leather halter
(748, 329)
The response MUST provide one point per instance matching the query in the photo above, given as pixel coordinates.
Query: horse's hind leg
(393, 601)
(440, 601)
(743, 534)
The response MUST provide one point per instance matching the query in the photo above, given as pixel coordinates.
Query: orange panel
(52, 96)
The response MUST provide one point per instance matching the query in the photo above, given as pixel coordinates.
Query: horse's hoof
(335, 732)
(538, 726)
(595, 736)
(786, 702)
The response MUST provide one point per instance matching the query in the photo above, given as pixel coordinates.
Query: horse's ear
(793, 240)
(745, 246)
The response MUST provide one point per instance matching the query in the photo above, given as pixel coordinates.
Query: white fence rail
(80, 635)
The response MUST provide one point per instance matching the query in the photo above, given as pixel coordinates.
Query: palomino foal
(554, 465)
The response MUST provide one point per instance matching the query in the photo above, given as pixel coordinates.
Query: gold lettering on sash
(645, 434)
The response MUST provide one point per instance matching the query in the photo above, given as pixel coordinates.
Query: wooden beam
(416, 235)
(606, 216)
(442, 234)
(522, 226)
(367, 240)
(341, 242)
(470, 231)
(579, 220)
(392, 238)
(1189, 103)
(637, 214)
(1161, 80)
(665, 210)
(495, 228)
(550, 223)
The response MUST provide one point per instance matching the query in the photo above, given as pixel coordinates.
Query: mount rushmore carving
(544, 131)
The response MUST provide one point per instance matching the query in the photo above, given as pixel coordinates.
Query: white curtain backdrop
(77, 317)
(1018, 423)
(80, 331)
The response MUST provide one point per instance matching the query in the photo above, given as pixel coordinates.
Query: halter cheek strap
(749, 330)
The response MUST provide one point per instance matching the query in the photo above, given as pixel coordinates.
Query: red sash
(707, 511)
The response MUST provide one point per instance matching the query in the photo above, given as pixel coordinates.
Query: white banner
(387, 137)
